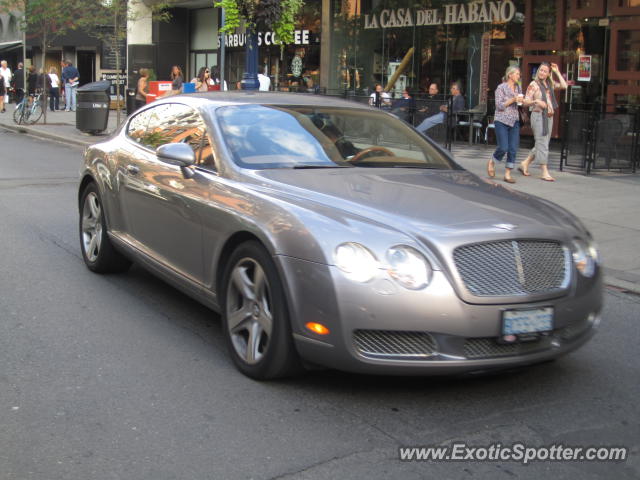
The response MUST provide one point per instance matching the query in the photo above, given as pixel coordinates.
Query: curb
(622, 285)
(50, 136)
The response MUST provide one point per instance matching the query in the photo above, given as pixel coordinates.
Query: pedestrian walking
(143, 88)
(54, 89)
(5, 84)
(542, 100)
(71, 79)
(507, 123)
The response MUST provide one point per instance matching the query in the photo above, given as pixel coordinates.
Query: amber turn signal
(317, 328)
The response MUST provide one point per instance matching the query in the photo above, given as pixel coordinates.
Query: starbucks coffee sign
(453, 13)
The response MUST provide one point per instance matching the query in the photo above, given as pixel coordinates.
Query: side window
(172, 123)
(137, 127)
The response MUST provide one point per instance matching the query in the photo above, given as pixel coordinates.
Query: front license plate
(516, 322)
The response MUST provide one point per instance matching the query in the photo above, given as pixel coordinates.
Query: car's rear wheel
(255, 315)
(97, 251)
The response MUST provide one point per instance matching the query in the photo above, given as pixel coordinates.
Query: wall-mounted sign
(300, 37)
(453, 13)
(584, 68)
(485, 54)
(110, 45)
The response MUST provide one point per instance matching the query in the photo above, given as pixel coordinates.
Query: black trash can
(92, 113)
(131, 101)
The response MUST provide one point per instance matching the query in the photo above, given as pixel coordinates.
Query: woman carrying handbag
(542, 100)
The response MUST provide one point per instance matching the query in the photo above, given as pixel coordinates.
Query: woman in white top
(54, 89)
(5, 82)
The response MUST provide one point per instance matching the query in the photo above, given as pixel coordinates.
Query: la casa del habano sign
(453, 13)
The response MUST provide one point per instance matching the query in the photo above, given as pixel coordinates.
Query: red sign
(584, 68)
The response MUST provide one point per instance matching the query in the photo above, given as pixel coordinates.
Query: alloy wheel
(249, 311)
(91, 226)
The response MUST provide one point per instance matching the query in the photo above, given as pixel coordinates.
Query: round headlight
(409, 267)
(584, 257)
(356, 262)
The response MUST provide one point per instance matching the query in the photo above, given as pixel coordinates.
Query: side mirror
(178, 154)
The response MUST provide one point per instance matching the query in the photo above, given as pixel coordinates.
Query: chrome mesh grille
(488, 347)
(507, 268)
(393, 344)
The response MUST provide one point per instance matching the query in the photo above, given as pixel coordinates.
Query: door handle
(132, 169)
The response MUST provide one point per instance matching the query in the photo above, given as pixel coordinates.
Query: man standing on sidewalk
(18, 83)
(70, 77)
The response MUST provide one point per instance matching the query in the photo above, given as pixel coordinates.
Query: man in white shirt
(5, 79)
(265, 82)
(379, 98)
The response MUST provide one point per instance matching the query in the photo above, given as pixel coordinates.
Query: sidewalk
(61, 126)
(607, 203)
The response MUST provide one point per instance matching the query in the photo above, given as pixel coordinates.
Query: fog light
(317, 328)
(594, 319)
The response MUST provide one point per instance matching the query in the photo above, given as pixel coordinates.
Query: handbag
(523, 115)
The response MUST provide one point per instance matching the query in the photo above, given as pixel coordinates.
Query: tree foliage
(276, 15)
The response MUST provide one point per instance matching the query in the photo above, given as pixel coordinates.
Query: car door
(163, 208)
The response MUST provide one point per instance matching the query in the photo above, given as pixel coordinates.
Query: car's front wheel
(97, 251)
(255, 315)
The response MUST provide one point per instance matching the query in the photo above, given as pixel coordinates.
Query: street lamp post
(250, 76)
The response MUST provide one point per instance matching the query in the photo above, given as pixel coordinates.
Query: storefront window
(544, 21)
(402, 44)
(296, 67)
(628, 54)
(203, 25)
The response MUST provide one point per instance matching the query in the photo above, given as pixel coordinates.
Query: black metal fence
(604, 138)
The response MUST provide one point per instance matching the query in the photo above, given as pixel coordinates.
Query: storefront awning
(10, 45)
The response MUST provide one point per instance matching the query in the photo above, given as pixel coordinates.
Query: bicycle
(26, 113)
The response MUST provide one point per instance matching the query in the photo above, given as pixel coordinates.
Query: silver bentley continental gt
(328, 233)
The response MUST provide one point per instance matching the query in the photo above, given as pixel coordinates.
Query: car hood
(420, 200)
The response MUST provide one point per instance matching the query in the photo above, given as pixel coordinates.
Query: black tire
(97, 251)
(18, 115)
(274, 355)
(35, 113)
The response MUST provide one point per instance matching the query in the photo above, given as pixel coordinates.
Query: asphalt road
(122, 377)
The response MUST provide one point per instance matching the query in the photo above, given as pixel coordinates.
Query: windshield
(276, 136)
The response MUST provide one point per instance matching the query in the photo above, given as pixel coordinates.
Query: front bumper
(382, 328)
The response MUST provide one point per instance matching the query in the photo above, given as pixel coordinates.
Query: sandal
(548, 179)
(491, 169)
(523, 171)
(509, 180)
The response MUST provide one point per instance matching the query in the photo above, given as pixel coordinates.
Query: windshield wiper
(306, 167)
(394, 165)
